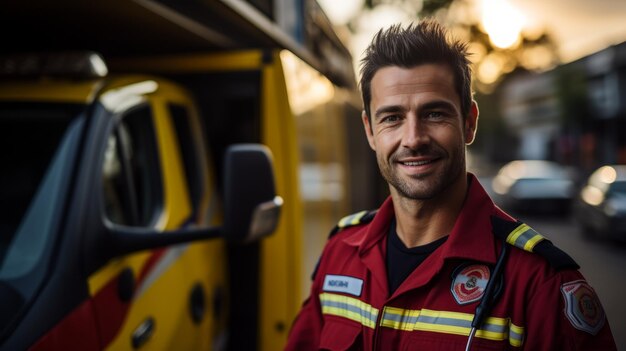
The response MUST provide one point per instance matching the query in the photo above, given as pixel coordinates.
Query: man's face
(417, 130)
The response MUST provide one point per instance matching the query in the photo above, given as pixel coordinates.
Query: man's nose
(414, 134)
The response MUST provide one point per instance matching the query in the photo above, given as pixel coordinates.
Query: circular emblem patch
(582, 307)
(469, 282)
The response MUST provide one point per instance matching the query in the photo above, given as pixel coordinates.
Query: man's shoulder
(524, 238)
(348, 225)
(352, 222)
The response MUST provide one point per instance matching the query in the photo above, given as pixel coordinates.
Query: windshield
(32, 136)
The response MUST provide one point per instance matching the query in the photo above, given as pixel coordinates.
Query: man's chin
(423, 191)
(421, 196)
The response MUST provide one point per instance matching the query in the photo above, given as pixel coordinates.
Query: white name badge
(344, 284)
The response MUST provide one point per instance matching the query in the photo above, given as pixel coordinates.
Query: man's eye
(435, 114)
(391, 118)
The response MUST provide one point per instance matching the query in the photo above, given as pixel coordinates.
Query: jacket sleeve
(564, 313)
(306, 330)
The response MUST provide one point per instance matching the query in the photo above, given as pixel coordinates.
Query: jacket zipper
(377, 327)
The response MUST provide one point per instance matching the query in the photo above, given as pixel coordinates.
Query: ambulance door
(242, 98)
(154, 175)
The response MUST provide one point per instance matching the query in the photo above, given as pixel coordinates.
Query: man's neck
(419, 222)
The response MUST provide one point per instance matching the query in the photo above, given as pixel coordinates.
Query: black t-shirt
(401, 261)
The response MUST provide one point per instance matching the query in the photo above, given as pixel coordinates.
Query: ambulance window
(24, 162)
(189, 150)
(131, 173)
(38, 140)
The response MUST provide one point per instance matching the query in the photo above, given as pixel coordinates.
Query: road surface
(602, 262)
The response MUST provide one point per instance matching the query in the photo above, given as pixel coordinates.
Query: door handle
(142, 334)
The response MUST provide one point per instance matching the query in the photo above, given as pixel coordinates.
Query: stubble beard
(424, 186)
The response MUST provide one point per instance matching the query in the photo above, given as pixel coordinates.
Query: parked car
(534, 186)
(601, 205)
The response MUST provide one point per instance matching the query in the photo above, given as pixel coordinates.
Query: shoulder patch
(582, 307)
(352, 220)
(524, 237)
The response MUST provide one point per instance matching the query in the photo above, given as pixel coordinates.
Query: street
(602, 264)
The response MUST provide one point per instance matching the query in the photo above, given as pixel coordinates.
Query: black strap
(556, 257)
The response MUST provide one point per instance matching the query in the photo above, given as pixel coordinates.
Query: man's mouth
(417, 163)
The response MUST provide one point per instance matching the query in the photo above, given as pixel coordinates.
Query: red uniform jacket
(544, 302)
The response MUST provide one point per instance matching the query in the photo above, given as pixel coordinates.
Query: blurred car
(601, 206)
(534, 186)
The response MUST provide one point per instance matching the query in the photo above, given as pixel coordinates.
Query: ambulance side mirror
(251, 207)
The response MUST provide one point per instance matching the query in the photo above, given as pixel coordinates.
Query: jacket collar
(468, 239)
(471, 238)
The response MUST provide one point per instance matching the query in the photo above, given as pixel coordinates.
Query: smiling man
(438, 266)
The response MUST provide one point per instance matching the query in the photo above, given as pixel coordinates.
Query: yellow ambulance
(170, 197)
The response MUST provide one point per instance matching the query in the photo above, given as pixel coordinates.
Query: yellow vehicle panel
(166, 277)
(48, 90)
(280, 276)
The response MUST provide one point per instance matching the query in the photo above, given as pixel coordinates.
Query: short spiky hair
(418, 44)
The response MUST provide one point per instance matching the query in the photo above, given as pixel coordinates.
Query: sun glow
(502, 22)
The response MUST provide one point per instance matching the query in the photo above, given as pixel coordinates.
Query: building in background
(574, 114)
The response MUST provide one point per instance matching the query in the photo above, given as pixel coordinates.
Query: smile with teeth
(417, 163)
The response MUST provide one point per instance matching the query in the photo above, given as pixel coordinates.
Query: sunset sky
(580, 27)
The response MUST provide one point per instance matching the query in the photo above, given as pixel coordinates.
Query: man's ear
(368, 130)
(471, 123)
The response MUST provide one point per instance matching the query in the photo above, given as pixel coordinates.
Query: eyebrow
(438, 104)
(432, 105)
(388, 109)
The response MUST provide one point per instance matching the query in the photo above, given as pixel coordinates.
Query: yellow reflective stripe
(524, 237)
(447, 322)
(516, 329)
(516, 335)
(516, 233)
(503, 323)
(350, 308)
(351, 219)
(530, 244)
(398, 318)
(457, 323)
(357, 217)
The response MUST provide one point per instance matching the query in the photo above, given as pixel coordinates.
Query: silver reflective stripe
(451, 323)
(350, 308)
(400, 318)
(524, 237)
(500, 329)
(368, 315)
(516, 335)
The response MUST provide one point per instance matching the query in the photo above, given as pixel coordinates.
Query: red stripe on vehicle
(77, 331)
(111, 311)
